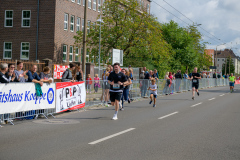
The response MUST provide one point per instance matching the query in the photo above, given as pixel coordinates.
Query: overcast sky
(221, 18)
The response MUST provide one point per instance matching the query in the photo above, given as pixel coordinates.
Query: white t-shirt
(153, 87)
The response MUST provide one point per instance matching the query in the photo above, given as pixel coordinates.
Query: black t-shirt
(147, 75)
(195, 80)
(117, 77)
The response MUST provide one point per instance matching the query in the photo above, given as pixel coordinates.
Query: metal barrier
(97, 94)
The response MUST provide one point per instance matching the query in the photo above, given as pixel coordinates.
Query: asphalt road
(178, 128)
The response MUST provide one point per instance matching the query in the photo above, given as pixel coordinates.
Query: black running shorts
(115, 96)
(195, 85)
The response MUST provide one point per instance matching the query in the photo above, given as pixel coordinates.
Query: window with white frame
(94, 5)
(89, 4)
(88, 27)
(82, 25)
(73, 1)
(25, 46)
(8, 18)
(77, 55)
(7, 52)
(26, 18)
(64, 53)
(72, 24)
(71, 54)
(99, 5)
(78, 24)
(79, 2)
(65, 21)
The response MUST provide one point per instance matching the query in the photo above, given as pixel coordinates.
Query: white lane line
(211, 99)
(168, 115)
(111, 136)
(196, 104)
(222, 95)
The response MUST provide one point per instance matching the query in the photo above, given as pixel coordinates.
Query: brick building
(40, 29)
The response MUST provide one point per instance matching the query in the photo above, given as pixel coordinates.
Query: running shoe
(193, 98)
(231, 90)
(154, 105)
(120, 105)
(198, 93)
(122, 109)
(150, 102)
(115, 117)
(129, 101)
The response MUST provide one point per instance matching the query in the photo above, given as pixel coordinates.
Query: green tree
(232, 67)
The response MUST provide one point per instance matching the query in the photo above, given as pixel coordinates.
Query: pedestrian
(20, 73)
(153, 92)
(105, 86)
(79, 74)
(67, 75)
(232, 80)
(116, 80)
(195, 82)
(89, 83)
(178, 78)
(96, 83)
(44, 75)
(126, 89)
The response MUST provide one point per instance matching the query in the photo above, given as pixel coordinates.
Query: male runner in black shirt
(116, 80)
(195, 82)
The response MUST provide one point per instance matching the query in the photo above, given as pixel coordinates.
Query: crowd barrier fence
(96, 93)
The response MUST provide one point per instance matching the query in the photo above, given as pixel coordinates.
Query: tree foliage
(232, 67)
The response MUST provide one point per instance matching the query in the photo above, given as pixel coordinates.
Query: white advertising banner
(70, 96)
(117, 56)
(18, 97)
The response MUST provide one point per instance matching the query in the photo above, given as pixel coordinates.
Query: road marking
(222, 95)
(196, 104)
(168, 115)
(111, 136)
(211, 99)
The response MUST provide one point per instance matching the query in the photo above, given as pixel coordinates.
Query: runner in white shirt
(153, 92)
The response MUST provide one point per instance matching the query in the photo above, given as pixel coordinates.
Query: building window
(88, 27)
(77, 55)
(65, 21)
(89, 4)
(7, 53)
(72, 24)
(64, 53)
(83, 2)
(25, 50)
(79, 2)
(73, 1)
(94, 5)
(26, 17)
(82, 25)
(8, 19)
(222, 59)
(99, 5)
(71, 54)
(78, 24)
(87, 55)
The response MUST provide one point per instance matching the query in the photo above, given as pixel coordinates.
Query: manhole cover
(56, 121)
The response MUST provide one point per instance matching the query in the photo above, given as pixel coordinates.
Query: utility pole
(84, 41)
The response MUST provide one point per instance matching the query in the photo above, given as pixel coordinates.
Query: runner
(195, 82)
(116, 80)
(153, 92)
(231, 83)
(125, 90)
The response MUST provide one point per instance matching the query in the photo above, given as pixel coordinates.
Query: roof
(225, 54)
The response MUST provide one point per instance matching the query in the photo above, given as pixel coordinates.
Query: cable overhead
(181, 19)
(188, 19)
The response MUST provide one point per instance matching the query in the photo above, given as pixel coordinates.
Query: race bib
(116, 86)
(194, 81)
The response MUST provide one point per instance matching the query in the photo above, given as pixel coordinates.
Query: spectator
(214, 75)
(11, 74)
(20, 73)
(33, 76)
(105, 86)
(145, 81)
(4, 79)
(130, 73)
(155, 73)
(166, 87)
(185, 76)
(44, 76)
(89, 83)
(178, 77)
(96, 83)
(79, 74)
(67, 75)
(218, 76)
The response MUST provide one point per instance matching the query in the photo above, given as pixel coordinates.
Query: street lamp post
(99, 52)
